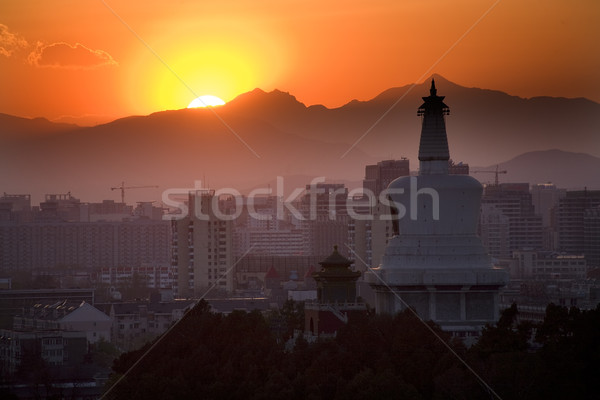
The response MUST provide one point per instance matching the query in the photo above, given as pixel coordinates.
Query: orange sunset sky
(107, 59)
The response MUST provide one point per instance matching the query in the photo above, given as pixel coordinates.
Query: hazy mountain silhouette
(564, 169)
(12, 127)
(169, 149)
(285, 137)
(483, 126)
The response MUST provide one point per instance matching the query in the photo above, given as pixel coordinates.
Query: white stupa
(435, 262)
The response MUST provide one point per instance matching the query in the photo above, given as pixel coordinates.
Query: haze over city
(386, 199)
(89, 64)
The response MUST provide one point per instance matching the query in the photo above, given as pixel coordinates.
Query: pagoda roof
(335, 259)
(336, 267)
(272, 273)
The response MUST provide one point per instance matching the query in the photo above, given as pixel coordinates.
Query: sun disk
(206, 101)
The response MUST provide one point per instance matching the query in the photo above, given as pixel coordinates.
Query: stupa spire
(434, 142)
(433, 90)
(435, 261)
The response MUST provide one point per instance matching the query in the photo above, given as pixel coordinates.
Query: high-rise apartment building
(547, 266)
(202, 247)
(264, 227)
(380, 175)
(494, 230)
(571, 219)
(545, 198)
(513, 201)
(591, 233)
(88, 245)
(62, 207)
(325, 217)
(64, 232)
(368, 236)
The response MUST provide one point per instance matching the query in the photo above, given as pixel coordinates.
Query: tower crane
(496, 171)
(123, 187)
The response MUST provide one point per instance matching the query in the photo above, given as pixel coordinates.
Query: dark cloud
(65, 55)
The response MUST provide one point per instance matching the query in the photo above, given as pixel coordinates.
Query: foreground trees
(237, 356)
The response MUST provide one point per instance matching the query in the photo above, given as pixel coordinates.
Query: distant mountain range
(259, 136)
(564, 169)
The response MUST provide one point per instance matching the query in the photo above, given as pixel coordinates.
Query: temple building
(435, 263)
(336, 297)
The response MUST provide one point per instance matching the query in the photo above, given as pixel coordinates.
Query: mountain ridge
(566, 170)
(269, 134)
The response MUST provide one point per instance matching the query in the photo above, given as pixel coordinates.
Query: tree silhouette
(237, 356)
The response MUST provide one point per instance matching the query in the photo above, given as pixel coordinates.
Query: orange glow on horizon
(138, 58)
(221, 64)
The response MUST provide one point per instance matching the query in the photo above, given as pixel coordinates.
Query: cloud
(58, 55)
(65, 55)
(9, 42)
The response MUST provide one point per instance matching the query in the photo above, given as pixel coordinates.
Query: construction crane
(496, 171)
(123, 187)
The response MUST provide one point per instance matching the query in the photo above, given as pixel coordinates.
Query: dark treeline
(211, 356)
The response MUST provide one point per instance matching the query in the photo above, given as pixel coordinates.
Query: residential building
(135, 323)
(370, 230)
(64, 232)
(59, 207)
(267, 230)
(545, 198)
(202, 247)
(368, 236)
(153, 276)
(513, 201)
(548, 266)
(379, 176)
(16, 208)
(65, 316)
(14, 301)
(494, 230)
(591, 233)
(57, 348)
(87, 245)
(571, 219)
(325, 217)
(459, 168)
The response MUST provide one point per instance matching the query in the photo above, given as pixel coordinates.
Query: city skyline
(423, 247)
(101, 61)
(267, 135)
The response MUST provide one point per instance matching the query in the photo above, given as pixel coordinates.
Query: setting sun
(206, 101)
